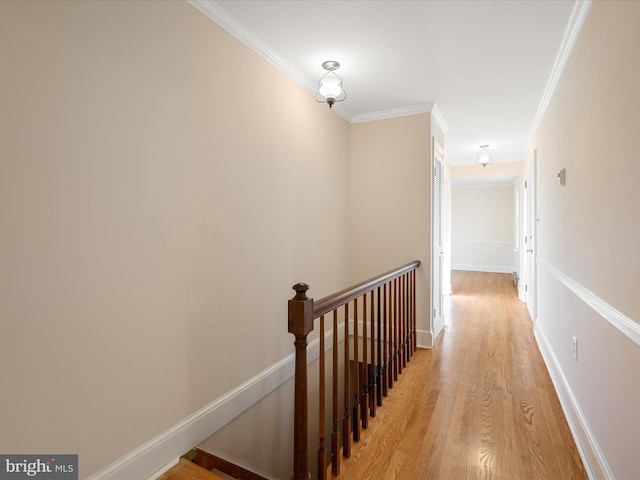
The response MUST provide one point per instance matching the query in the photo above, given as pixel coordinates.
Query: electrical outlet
(574, 347)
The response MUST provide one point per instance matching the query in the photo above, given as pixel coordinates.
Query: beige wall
(484, 213)
(588, 265)
(483, 228)
(388, 156)
(596, 142)
(497, 174)
(390, 200)
(161, 189)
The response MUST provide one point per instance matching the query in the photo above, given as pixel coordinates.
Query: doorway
(484, 232)
(528, 287)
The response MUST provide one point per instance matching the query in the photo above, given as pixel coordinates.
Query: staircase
(382, 313)
(186, 470)
(200, 465)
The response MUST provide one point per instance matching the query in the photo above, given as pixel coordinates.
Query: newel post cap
(301, 291)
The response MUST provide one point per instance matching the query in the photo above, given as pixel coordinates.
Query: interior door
(437, 263)
(530, 222)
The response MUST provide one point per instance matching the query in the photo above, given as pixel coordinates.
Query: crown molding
(578, 15)
(437, 116)
(393, 113)
(403, 112)
(212, 10)
(216, 13)
(484, 182)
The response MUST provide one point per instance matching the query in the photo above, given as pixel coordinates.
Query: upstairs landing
(481, 404)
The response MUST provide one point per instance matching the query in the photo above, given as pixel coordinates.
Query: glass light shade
(330, 87)
(484, 156)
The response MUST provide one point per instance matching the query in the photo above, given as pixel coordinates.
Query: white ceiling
(485, 64)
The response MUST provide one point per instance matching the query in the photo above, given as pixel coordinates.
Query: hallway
(479, 405)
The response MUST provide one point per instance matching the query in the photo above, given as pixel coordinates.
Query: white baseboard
(593, 459)
(483, 268)
(149, 458)
(424, 339)
(164, 469)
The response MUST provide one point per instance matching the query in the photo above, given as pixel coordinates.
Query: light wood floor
(186, 470)
(479, 405)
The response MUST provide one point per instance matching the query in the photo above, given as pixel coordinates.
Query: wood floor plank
(186, 470)
(479, 405)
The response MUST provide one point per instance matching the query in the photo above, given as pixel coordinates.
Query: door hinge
(434, 313)
(525, 184)
(526, 288)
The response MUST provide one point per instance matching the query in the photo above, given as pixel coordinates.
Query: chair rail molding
(615, 317)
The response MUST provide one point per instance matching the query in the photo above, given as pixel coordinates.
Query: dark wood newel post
(300, 325)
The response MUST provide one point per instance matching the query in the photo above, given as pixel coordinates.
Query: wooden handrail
(302, 313)
(335, 300)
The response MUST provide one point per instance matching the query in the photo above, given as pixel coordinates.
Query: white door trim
(529, 289)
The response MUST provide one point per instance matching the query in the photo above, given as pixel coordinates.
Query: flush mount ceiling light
(484, 156)
(330, 90)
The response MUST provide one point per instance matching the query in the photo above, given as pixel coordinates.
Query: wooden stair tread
(186, 470)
